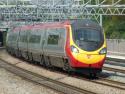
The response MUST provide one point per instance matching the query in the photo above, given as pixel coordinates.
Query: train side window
(35, 38)
(23, 38)
(53, 39)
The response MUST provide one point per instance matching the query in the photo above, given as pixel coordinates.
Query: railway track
(112, 83)
(114, 69)
(2, 48)
(53, 84)
(106, 82)
(115, 62)
(64, 88)
(56, 85)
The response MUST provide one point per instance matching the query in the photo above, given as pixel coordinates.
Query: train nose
(90, 58)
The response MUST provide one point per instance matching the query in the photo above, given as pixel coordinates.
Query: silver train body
(32, 43)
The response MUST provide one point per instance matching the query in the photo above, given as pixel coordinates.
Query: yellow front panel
(87, 57)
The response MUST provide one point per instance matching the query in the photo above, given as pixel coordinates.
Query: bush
(114, 27)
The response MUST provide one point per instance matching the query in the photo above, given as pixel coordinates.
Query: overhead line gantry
(51, 10)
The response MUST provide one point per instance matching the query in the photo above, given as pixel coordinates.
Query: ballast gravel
(98, 88)
(12, 84)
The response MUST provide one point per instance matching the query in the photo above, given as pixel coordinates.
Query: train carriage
(71, 45)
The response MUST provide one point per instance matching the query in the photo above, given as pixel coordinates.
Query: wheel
(92, 75)
(48, 63)
(67, 67)
(30, 57)
(20, 55)
(42, 61)
(17, 53)
(26, 56)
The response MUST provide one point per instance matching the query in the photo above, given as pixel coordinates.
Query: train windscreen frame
(88, 39)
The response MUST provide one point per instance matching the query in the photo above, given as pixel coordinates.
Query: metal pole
(101, 19)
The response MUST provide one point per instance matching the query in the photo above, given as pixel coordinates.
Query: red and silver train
(78, 45)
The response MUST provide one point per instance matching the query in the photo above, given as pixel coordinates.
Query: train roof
(74, 23)
(43, 25)
(85, 23)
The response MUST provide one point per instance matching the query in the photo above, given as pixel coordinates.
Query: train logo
(88, 56)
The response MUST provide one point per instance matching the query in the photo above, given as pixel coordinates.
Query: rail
(53, 84)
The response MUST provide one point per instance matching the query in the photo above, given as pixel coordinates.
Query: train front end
(86, 48)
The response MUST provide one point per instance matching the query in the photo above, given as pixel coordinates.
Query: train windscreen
(88, 39)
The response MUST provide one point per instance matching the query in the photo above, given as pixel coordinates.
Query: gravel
(100, 89)
(12, 84)
(120, 77)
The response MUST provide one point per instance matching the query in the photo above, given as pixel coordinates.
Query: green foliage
(115, 35)
(123, 35)
(114, 27)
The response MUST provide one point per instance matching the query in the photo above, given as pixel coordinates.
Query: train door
(23, 43)
(34, 44)
(54, 46)
(14, 42)
(18, 38)
(27, 32)
(43, 39)
(52, 40)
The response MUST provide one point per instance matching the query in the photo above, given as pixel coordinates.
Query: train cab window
(35, 38)
(88, 39)
(53, 39)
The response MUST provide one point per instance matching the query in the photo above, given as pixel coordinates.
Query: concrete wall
(116, 47)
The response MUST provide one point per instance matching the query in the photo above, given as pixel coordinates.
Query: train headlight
(74, 49)
(103, 51)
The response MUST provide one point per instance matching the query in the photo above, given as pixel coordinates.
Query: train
(73, 45)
